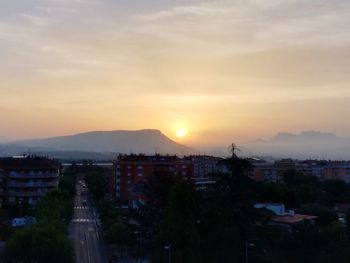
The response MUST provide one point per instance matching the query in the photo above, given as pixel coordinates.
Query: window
(140, 174)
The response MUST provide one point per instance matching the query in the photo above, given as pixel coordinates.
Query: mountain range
(105, 145)
(97, 143)
(307, 144)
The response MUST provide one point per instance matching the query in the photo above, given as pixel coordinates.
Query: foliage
(296, 190)
(117, 233)
(337, 191)
(67, 183)
(97, 184)
(179, 229)
(115, 230)
(158, 187)
(40, 243)
(228, 218)
(55, 209)
(47, 240)
(5, 232)
(325, 214)
(347, 223)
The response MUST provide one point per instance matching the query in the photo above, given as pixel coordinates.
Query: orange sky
(225, 70)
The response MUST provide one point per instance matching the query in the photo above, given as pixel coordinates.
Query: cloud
(180, 55)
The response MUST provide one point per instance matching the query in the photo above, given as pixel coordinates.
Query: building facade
(204, 165)
(263, 171)
(26, 179)
(131, 171)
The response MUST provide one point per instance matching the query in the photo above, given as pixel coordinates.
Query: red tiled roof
(292, 219)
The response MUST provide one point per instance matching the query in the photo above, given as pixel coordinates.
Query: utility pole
(247, 245)
(168, 247)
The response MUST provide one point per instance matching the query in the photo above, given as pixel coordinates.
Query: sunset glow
(229, 70)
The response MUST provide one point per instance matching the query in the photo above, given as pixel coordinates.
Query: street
(84, 230)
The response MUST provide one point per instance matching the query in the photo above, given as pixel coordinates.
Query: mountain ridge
(306, 144)
(145, 141)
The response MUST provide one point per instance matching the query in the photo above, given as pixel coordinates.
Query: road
(84, 230)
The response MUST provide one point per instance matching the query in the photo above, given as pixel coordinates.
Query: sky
(223, 70)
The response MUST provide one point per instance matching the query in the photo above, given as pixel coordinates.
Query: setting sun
(181, 133)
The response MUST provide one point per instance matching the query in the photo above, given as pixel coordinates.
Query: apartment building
(131, 171)
(26, 179)
(204, 165)
(263, 171)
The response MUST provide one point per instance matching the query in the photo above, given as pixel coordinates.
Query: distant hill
(307, 144)
(142, 141)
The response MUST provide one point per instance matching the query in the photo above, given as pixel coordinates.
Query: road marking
(81, 207)
(81, 220)
(87, 247)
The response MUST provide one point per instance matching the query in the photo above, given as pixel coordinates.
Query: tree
(67, 183)
(227, 215)
(337, 191)
(117, 233)
(324, 214)
(347, 225)
(179, 228)
(97, 184)
(39, 243)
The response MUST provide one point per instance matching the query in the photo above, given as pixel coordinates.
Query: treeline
(47, 240)
(222, 225)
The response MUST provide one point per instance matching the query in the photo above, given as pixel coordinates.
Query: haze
(223, 70)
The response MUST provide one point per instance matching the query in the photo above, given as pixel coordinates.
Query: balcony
(33, 184)
(27, 193)
(33, 175)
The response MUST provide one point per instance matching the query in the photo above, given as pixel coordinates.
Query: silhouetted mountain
(308, 144)
(306, 136)
(142, 141)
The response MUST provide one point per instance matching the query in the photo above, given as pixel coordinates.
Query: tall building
(131, 171)
(204, 165)
(26, 179)
(263, 171)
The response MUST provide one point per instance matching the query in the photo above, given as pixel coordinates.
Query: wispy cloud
(188, 54)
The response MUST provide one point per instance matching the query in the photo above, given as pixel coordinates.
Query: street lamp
(19, 207)
(247, 245)
(168, 247)
(138, 235)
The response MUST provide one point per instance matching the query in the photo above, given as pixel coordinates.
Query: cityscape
(182, 131)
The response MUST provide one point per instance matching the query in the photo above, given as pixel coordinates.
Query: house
(285, 219)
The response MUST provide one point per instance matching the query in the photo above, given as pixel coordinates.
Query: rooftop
(147, 158)
(28, 163)
(292, 219)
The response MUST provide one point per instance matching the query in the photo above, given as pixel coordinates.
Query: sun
(181, 132)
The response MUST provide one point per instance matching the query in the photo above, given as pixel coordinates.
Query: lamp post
(247, 245)
(168, 247)
(139, 237)
(19, 207)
